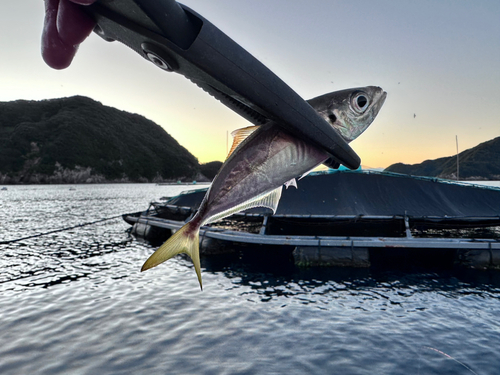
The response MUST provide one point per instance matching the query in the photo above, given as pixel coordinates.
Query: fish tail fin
(185, 240)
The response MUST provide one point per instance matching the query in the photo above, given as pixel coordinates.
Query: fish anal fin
(239, 135)
(185, 240)
(292, 182)
(268, 200)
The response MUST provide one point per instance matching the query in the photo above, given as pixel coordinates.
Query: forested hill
(78, 140)
(478, 163)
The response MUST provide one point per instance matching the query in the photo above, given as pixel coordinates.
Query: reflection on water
(75, 302)
(281, 280)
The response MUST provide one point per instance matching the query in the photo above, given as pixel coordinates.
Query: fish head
(350, 111)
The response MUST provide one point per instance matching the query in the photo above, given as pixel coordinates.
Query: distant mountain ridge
(77, 140)
(478, 163)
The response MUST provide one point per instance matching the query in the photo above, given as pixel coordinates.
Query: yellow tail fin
(185, 240)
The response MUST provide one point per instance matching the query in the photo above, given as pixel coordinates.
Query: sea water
(74, 302)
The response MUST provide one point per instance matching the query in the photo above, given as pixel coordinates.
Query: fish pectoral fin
(239, 135)
(292, 182)
(185, 240)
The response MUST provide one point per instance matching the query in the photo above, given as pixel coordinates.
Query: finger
(83, 2)
(55, 52)
(73, 25)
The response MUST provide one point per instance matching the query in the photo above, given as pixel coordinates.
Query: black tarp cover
(369, 193)
(378, 194)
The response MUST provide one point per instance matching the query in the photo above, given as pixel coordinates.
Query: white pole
(456, 138)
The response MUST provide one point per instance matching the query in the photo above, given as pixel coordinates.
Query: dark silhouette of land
(78, 140)
(478, 163)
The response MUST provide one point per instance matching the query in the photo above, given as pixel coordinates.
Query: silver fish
(266, 157)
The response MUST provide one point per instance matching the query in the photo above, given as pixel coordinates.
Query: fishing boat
(351, 218)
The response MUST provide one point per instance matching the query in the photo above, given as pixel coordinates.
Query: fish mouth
(383, 97)
(379, 100)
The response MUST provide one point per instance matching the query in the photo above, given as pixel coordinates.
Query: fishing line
(59, 230)
(450, 357)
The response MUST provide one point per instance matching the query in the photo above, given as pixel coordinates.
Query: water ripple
(76, 302)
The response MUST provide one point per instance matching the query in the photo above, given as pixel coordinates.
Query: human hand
(66, 25)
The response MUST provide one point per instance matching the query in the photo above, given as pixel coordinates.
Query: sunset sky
(438, 60)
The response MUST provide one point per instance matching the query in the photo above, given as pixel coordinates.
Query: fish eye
(362, 101)
(359, 102)
(332, 118)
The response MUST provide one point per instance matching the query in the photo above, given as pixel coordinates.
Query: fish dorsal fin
(268, 200)
(239, 135)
